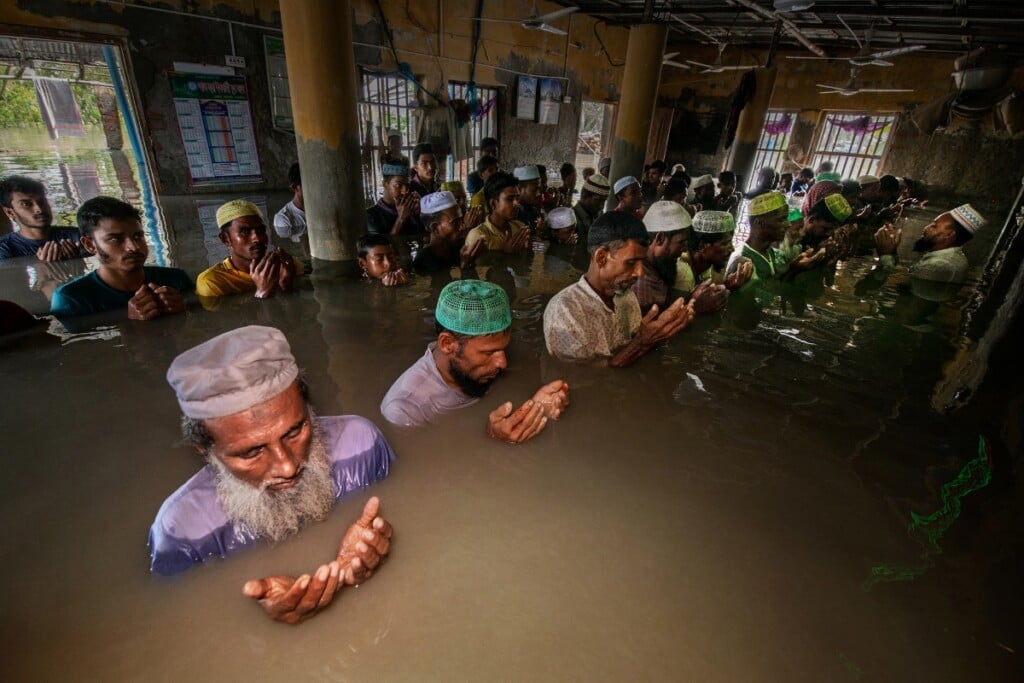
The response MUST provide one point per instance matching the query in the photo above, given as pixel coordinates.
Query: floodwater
(713, 513)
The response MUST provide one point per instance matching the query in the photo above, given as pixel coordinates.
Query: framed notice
(277, 77)
(550, 101)
(526, 98)
(215, 122)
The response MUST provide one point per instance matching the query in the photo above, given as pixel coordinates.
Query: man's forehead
(27, 196)
(490, 342)
(118, 225)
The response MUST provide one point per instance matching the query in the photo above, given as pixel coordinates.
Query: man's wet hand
(658, 326)
(168, 298)
(741, 276)
(292, 600)
(143, 305)
(709, 297)
(265, 273)
(365, 545)
(553, 398)
(516, 427)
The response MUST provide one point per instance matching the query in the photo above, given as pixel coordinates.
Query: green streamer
(975, 475)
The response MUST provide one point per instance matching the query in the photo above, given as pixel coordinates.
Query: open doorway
(68, 118)
(597, 121)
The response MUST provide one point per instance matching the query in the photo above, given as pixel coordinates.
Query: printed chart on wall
(216, 128)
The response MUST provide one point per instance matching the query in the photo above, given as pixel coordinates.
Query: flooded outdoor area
(736, 506)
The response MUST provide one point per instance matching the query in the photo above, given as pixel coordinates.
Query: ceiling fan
(865, 55)
(537, 22)
(717, 67)
(851, 87)
(669, 60)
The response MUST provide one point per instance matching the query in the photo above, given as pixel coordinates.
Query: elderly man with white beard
(271, 465)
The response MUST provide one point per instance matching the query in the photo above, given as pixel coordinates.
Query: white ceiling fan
(537, 22)
(865, 55)
(851, 87)
(669, 60)
(717, 67)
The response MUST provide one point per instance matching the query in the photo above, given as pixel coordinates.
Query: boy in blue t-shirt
(112, 231)
(24, 201)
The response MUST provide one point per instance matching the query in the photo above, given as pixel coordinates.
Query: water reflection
(709, 514)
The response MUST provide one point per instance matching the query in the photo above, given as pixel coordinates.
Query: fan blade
(830, 87)
(670, 55)
(556, 14)
(734, 67)
(497, 21)
(897, 51)
(669, 62)
(801, 57)
(879, 62)
(855, 38)
(548, 28)
(884, 90)
(700, 64)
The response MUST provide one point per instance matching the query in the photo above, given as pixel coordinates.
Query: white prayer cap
(971, 220)
(436, 202)
(561, 218)
(622, 183)
(867, 179)
(713, 222)
(703, 180)
(526, 173)
(232, 372)
(666, 216)
(597, 184)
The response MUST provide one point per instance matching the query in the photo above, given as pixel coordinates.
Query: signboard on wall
(277, 77)
(215, 122)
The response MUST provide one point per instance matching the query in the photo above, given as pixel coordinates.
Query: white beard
(277, 515)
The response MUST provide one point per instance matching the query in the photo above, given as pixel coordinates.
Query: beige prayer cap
(232, 372)
(236, 208)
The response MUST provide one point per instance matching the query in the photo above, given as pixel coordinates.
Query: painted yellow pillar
(322, 81)
(748, 131)
(640, 79)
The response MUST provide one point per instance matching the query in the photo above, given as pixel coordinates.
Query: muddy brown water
(710, 514)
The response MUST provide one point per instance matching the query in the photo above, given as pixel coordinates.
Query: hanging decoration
(783, 125)
(859, 125)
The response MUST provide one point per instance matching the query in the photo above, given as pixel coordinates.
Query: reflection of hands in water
(741, 275)
(57, 251)
(522, 425)
(553, 398)
(709, 297)
(52, 274)
(293, 600)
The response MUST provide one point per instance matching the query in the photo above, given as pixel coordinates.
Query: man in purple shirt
(271, 465)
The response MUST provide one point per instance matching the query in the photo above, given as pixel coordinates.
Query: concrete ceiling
(952, 27)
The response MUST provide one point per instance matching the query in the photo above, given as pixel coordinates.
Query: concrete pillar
(748, 131)
(322, 81)
(640, 79)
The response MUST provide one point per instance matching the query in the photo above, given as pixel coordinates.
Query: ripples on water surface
(712, 513)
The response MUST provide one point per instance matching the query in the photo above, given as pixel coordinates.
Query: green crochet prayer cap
(473, 307)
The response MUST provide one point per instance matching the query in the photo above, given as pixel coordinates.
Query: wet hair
(675, 188)
(19, 183)
(421, 149)
(889, 183)
(566, 170)
(826, 167)
(366, 243)
(806, 172)
(497, 184)
(727, 178)
(96, 209)
(851, 188)
(615, 245)
(294, 178)
(659, 165)
(196, 433)
(459, 336)
(485, 162)
(489, 142)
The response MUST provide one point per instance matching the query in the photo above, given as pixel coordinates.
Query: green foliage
(18, 106)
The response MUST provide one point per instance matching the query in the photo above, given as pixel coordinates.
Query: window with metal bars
(386, 101)
(771, 148)
(483, 125)
(854, 143)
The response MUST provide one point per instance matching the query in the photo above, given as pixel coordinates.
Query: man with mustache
(24, 202)
(473, 318)
(941, 243)
(600, 315)
(272, 465)
(250, 265)
(112, 231)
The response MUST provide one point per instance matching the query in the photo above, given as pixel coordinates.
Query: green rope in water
(975, 475)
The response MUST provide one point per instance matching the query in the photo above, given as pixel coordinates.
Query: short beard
(277, 515)
(468, 386)
(923, 244)
(666, 269)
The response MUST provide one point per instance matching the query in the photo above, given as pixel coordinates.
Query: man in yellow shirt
(250, 266)
(500, 231)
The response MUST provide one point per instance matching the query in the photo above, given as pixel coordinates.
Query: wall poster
(526, 98)
(215, 122)
(550, 101)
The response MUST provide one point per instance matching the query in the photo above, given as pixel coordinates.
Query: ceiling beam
(792, 28)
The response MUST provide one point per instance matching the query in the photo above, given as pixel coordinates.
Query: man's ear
(447, 343)
(601, 256)
(10, 214)
(89, 244)
(224, 238)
